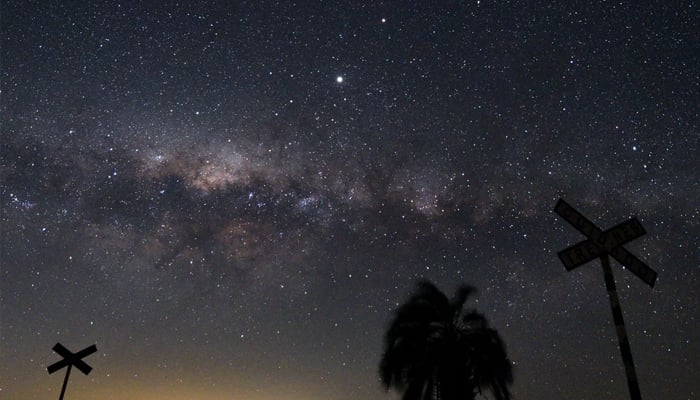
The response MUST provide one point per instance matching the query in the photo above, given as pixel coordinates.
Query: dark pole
(65, 382)
(625, 349)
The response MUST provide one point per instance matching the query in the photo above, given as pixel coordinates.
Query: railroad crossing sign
(600, 244)
(70, 359)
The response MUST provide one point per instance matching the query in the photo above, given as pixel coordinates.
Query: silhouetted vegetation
(435, 350)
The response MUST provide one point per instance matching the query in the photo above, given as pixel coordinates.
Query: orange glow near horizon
(157, 386)
(123, 390)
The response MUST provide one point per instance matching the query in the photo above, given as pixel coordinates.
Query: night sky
(230, 199)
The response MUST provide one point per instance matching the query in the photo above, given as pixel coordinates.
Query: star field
(230, 200)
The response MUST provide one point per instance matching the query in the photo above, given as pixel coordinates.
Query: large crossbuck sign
(599, 243)
(69, 360)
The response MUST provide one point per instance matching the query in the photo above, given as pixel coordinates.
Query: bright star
(339, 79)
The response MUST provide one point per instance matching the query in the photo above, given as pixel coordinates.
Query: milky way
(231, 199)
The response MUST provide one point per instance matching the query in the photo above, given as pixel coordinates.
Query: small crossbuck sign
(69, 360)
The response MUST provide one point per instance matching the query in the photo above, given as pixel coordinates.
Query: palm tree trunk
(435, 386)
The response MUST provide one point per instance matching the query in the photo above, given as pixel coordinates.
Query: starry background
(231, 198)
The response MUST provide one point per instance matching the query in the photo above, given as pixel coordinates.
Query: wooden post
(625, 349)
(65, 382)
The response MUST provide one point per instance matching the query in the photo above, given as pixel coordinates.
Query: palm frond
(433, 349)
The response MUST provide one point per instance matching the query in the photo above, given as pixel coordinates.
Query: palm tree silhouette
(435, 351)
